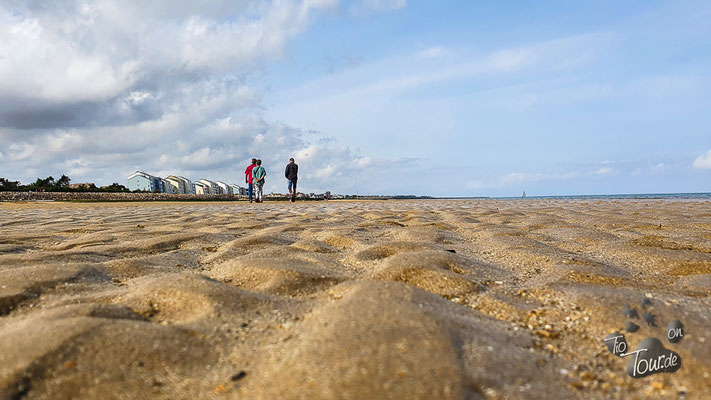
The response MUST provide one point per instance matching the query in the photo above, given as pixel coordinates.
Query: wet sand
(353, 300)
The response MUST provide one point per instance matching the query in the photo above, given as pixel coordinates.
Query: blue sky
(493, 98)
(467, 98)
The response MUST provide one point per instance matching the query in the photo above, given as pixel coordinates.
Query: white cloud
(361, 8)
(432, 52)
(21, 151)
(703, 161)
(137, 97)
(650, 168)
(326, 172)
(518, 178)
(99, 89)
(78, 167)
(46, 66)
(64, 141)
(74, 58)
(603, 170)
(363, 162)
(162, 160)
(382, 80)
(510, 59)
(206, 43)
(207, 157)
(385, 5)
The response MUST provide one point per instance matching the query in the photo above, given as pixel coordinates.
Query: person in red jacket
(248, 177)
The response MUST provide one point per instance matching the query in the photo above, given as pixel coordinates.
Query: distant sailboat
(524, 195)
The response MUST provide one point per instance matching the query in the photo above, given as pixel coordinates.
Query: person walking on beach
(248, 177)
(258, 175)
(291, 174)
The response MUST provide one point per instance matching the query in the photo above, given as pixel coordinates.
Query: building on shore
(201, 188)
(173, 185)
(239, 190)
(189, 186)
(140, 180)
(182, 185)
(168, 187)
(213, 187)
(225, 188)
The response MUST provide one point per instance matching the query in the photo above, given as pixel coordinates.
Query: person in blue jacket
(258, 178)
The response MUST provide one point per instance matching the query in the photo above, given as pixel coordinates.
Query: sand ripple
(391, 299)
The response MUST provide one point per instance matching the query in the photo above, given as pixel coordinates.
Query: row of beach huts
(174, 184)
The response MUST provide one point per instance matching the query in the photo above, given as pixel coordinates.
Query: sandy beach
(445, 299)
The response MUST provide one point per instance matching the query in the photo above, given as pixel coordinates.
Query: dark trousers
(250, 192)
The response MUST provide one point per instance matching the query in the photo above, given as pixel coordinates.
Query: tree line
(49, 184)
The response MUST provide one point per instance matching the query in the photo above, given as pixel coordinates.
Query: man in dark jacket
(291, 173)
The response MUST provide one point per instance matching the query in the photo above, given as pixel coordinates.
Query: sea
(638, 196)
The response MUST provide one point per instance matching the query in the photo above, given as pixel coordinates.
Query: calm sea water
(646, 196)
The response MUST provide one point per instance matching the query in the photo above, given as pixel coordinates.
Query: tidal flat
(351, 299)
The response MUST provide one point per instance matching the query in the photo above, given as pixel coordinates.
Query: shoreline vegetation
(91, 196)
(49, 184)
(49, 189)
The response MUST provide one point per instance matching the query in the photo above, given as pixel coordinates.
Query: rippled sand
(382, 299)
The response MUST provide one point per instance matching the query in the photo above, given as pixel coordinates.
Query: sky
(441, 98)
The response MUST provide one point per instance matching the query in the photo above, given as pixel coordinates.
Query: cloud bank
(703, 161)
(98, 89)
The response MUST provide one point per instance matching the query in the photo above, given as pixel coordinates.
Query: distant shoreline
(122, 197)
(638, 196)
(148, 197)
(91, 197)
